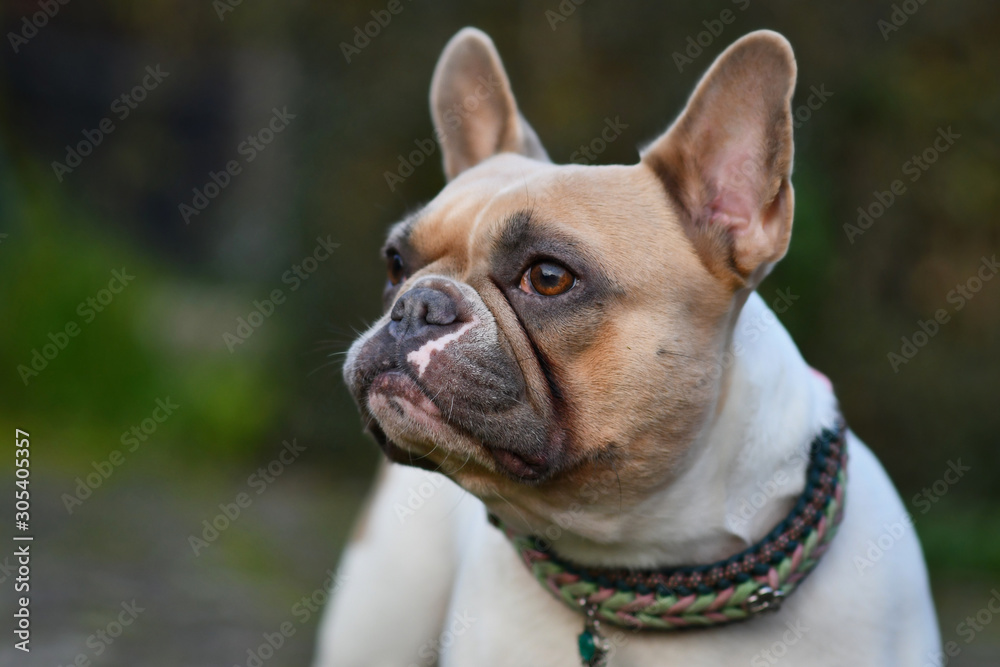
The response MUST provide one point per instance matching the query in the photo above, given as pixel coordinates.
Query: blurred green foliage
(107, 378)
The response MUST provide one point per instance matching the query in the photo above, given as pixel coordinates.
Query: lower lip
(394, 390)
(397, 387)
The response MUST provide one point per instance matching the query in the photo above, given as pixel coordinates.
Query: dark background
(324, 176)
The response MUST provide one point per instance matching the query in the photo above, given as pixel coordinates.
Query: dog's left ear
(727, 160)
(475, 115)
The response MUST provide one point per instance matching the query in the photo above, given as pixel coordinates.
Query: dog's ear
(727, 159)
(475, 115)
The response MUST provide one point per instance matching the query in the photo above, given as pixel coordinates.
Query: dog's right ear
(727, 160)
(475, 115)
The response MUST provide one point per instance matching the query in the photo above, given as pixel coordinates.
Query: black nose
(421, 309)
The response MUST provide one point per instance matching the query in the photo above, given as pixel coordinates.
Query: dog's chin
(520, 467)
(410, 429)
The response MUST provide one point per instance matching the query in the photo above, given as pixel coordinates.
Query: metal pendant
(593, 645)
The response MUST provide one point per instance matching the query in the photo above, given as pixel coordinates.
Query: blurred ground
(131, 541)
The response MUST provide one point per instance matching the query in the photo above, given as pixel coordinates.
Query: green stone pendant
(593, 646)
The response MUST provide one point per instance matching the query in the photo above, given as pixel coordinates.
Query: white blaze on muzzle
(421, 357)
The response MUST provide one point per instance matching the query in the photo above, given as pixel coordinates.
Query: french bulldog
(580, 351)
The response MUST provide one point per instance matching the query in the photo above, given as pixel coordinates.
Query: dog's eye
(547, 279)
(394, 264)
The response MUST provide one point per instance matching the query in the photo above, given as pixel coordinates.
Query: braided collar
(750, 582)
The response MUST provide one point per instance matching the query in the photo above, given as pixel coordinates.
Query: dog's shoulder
(402, 556)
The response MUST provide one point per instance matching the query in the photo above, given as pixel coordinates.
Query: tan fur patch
(655, 343)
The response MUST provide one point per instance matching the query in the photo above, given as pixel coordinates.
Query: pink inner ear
(735, 181)
(730, 210)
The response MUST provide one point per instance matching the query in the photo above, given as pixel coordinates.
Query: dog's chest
(501, 617)
(506, 617)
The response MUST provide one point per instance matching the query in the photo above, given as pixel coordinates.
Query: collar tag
(593, 645)
(764, 599)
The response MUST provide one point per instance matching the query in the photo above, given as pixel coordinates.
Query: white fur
(444, 584)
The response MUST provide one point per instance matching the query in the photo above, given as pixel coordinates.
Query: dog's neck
(742, 474)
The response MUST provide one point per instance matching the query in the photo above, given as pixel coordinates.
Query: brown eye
(547, 279)
(395, 267)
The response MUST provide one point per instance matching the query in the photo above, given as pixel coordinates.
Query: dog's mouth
(447, 398)
(393, 392)
(403, 394)
(397, 402)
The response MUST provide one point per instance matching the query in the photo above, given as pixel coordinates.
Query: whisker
(678, 354)
(467, 459)
(424, 456)
(523, 518)
(322, 366)
(461, 498)
(440, 466)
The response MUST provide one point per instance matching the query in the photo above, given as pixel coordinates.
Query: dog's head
(554, 333)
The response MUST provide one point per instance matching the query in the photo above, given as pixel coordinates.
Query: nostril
(441, 310)
(398, 310)
(419, 308)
